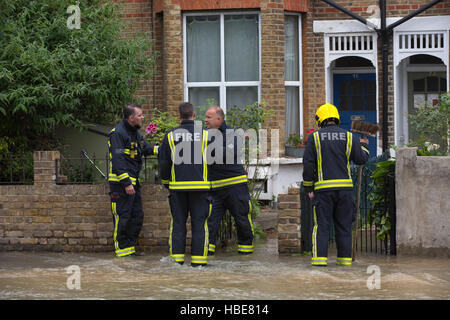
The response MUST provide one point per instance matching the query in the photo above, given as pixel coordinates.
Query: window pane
(292, 111)
(432, 84)
(203, 48)
(419, 85)
(291, 47)
(241, 96)
(241, 48)
(198, 97)
(443, 85)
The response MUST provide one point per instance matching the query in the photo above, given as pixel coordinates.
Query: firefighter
(183, 170)
(228, 183)
(126, 148)
(327, 179)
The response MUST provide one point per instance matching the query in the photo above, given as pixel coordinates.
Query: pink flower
(151, 128)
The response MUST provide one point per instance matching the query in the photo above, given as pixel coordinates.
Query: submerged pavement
(263, 275)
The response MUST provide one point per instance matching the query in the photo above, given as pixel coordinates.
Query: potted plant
(295, 144)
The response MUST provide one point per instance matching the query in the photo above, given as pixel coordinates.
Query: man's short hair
(218, 110)
(186, 110)
(130, 110)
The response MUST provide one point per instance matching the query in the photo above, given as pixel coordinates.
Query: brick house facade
(303, 53)
(166, 20)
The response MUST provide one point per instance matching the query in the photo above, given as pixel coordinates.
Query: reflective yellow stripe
(344, 261)
(229, 181)
(365, 149)
(245, 248)
(115, 178)
(205, 251)
(204, 146)
(333, 184)
(177, 257)
(308, 183)
(155, 149)
(164, 181)
(116, 224)
(199, 259)
(348, 151)
(319, 155)
(212, 248)
(172, 149)
(189, 185)
(314, 234)
(319, 261)
(125, 252)
(250, 210)
(170, 232)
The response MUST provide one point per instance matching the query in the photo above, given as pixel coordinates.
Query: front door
(354, 94)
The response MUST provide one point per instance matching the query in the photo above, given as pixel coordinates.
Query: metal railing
(88, 169)
(16, 170)
(367, 230)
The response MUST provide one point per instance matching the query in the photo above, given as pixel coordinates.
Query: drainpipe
(384, 33)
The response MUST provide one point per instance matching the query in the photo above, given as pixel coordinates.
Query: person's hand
(364, 140)
(130, 189)
(311, 195)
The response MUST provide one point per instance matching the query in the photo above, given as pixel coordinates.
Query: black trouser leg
(322, 213)
(136, 219)
(343, 214)
(214, 220)
(178, 202)
(200, 208)
(237, 201)
(122, 207)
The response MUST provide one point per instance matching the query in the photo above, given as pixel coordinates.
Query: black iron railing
(367, 230)
(90, 169)
(17, 170)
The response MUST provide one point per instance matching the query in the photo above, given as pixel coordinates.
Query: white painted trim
(299, 83)
(353, 70)
(418, 23)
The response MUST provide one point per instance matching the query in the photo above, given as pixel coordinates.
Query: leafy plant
(51, 75)
(16, 161)
(379, 198)
(432, 124)
(161, 123)
(296, 140)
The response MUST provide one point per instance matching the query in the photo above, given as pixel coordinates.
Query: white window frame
(222, 84)
(298, 83)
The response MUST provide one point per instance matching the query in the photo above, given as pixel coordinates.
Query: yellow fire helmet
(326, 111)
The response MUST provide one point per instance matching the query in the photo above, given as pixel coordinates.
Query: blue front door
(355, 97)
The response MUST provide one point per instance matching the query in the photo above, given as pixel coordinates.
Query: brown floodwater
(263, 275)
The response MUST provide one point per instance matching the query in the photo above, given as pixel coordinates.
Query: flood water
(263, 275)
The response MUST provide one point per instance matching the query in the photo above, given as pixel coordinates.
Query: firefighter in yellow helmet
(327, 179)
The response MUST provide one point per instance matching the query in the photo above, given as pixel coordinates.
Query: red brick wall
(165, 91)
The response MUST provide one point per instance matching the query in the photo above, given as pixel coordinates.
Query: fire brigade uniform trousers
(334, 206)
(198, 204)
(128, 218)
(237, 200)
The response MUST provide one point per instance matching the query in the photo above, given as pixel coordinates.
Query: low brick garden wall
(50, 217)
(289, 235)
